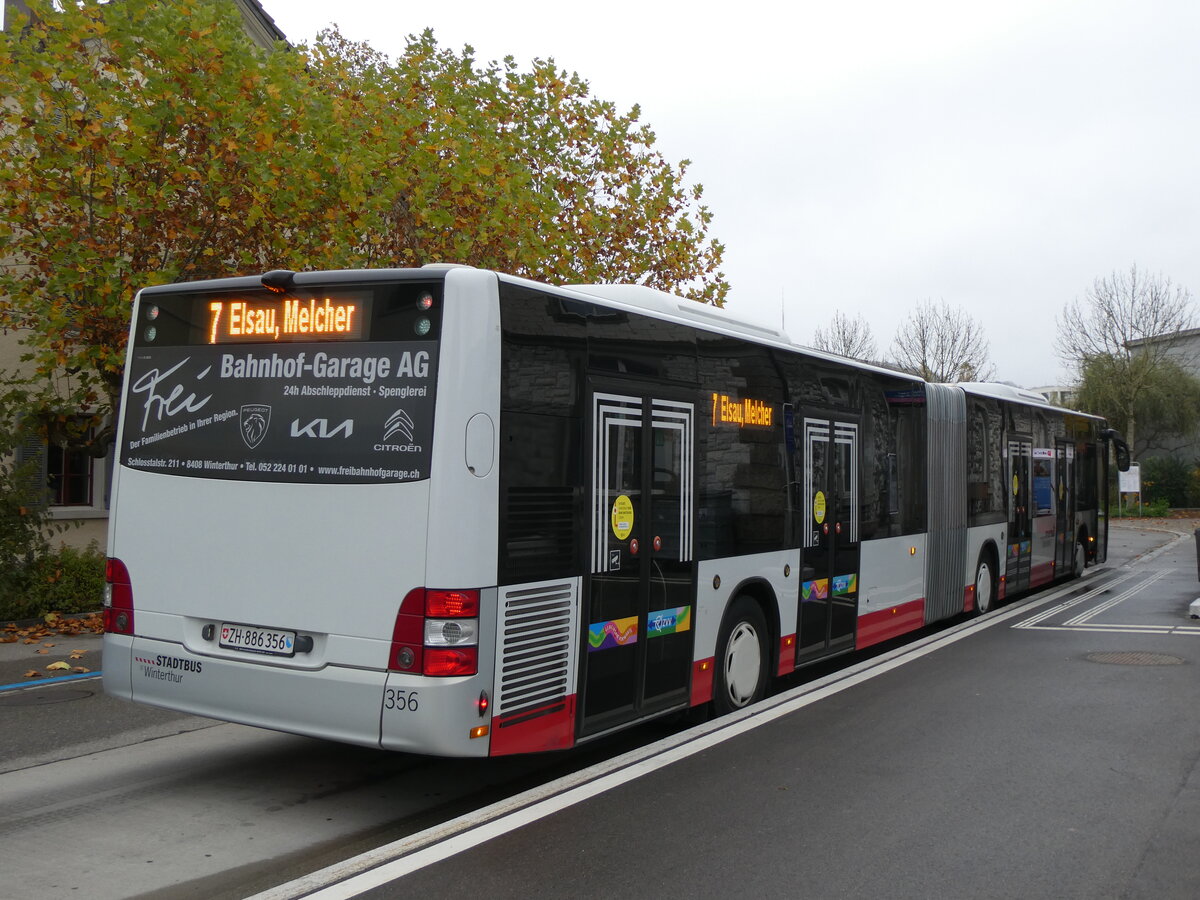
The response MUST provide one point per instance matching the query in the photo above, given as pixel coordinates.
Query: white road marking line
(1074, 601)
(1120, 598)
(1125, 629)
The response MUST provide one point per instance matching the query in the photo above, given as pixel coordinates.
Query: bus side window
(1043, 491)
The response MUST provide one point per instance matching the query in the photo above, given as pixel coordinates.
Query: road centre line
(390, 862)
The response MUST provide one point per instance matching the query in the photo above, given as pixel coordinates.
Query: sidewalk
(36, 649)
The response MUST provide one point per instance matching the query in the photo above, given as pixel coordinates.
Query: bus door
(639, 607)
(829, 508)
(1020, 517)
(1064, 493)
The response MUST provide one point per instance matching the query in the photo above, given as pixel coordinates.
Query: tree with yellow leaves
(144, 143)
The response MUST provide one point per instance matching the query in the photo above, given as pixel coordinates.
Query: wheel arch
(990, 552)
(762, 593)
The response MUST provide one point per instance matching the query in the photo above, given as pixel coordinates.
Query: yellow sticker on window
(622, 517)
(819, 507)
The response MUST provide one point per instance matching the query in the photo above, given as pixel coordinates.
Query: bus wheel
(985, 586)
(741, 674)
(1079, 560)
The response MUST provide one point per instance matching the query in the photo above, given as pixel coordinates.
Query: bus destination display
(235, 321)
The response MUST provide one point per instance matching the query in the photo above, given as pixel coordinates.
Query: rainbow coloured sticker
(614, 633)
(816, 590)
(669, 621)
(845, 584)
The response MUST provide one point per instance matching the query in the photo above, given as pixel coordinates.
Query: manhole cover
(1134, 658)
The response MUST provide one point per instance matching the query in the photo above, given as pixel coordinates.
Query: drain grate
(1134, 658)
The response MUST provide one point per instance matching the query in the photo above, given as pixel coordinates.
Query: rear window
(319, 385)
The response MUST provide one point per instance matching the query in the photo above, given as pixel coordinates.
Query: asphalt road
(1008, 761)
(1049, 754)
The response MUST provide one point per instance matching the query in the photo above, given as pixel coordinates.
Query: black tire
(743, 657)
(985, 584)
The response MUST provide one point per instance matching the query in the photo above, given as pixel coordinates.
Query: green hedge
(66, 580)
(1170, 480)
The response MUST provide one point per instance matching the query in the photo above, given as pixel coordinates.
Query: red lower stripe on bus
(876, 627)
(550, 727)
(1043, 573)
(702, 680)
(787, 654)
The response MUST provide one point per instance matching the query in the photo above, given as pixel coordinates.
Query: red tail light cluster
(437, 633)
(118, 598)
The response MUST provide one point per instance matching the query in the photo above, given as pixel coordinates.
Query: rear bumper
(334, 703)
(368, 707)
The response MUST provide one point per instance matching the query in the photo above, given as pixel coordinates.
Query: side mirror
(1119, 447)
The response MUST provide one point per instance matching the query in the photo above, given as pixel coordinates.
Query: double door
(638, 643)
(829, 508)
(1064, 493)
(1019, 560)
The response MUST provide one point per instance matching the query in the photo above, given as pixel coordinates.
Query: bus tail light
(443, 663)
(452, 604)
(118, 598)
(436, 633)
(408, 635)
(451, 633)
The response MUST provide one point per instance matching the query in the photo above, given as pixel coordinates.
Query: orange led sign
(233, 321)
(743, 413)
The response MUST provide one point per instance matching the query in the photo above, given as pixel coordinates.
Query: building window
(70, 474)
(71, 483)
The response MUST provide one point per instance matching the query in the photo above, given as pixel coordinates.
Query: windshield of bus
(330, 384)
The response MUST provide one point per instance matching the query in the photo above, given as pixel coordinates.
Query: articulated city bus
(449, 511)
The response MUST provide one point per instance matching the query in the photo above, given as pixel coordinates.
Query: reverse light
(451, 632)
(118, 598)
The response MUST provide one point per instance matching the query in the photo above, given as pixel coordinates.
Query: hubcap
(983, 588)
(743, 663)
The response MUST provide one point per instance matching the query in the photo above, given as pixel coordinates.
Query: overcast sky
(867, 155)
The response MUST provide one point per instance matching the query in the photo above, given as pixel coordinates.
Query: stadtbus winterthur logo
(253, 423)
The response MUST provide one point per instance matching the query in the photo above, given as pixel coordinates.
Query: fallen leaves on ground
(53, 625)
(58, 666)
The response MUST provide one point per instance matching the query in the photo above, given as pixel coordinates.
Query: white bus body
(453, 512)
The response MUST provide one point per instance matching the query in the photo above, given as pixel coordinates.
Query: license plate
(258, 640)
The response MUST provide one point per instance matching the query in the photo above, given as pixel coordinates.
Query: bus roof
(997, 391)
(644, 299)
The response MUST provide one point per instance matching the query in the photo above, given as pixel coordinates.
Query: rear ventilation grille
(536, 660)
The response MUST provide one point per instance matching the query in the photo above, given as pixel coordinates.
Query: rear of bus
(303, 531)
